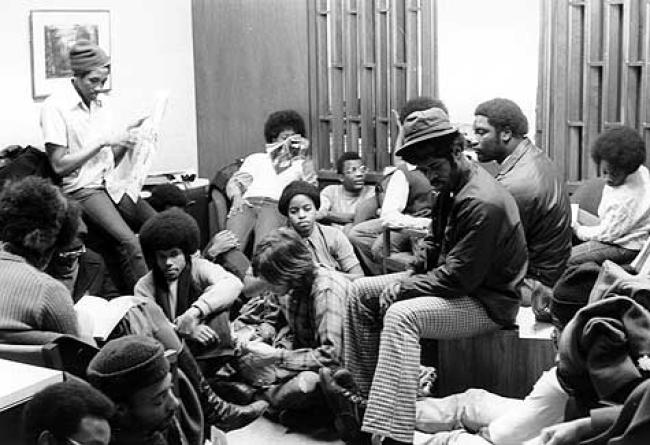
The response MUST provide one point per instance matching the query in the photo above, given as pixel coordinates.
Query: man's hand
(237, 206)
(567, 433)
(204, 334)
(388, 296)
(187, 322)
(126, 138)
(222, 242)
(262, 353)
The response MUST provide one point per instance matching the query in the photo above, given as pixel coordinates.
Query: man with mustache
(539, 190)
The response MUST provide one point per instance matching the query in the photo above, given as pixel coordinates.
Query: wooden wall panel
(593, 74)
(251, 58)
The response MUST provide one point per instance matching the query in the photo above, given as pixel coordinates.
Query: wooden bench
(501, 362)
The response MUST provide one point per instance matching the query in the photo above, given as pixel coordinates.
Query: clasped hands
(261, 354)
(188, 325)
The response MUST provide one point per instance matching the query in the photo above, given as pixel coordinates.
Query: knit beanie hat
(86, 56)
(127, 364)
(571, 292)
(298, 188)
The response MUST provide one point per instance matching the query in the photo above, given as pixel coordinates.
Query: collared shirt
(331, 248)
(68, 122)
(316, 320)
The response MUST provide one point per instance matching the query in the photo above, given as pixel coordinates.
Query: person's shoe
(235, 392)
(343, 398)
(232, 417)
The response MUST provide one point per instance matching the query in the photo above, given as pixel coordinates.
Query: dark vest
(419, 199)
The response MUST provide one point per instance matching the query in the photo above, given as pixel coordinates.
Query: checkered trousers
(386, 362)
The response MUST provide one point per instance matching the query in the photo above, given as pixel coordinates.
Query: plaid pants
(385, 361)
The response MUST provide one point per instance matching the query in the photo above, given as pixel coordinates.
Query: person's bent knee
(401, 314)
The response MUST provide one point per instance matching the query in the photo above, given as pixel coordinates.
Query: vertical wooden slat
(367, 81)
(323, 110)
(350, 69)
(383, 76)
(337, 78)
(574, 99)
(428, 26)
(412, 45)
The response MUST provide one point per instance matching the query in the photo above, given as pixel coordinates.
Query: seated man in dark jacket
(472, 288)
(535, 183)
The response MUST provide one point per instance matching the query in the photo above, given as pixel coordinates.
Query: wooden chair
(399, 261)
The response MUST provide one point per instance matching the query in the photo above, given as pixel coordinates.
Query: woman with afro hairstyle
(35, 219)
(190, 290)
(624, 209)
(255, 189)
(312, 302)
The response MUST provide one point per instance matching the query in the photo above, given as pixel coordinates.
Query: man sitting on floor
(470, 289)
(68, 413)
(339, 202)
(191, 291)
(535, 183)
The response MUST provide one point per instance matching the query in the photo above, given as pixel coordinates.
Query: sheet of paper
(100, 315)
(529, 327)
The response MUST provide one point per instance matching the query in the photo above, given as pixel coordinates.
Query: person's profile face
(302, 214)
(439, 171)
(354, 175)
(90, 85)
(489, 147)
(171, 262)
(614, 176)
(152, 408)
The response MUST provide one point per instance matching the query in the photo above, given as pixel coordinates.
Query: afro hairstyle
(622, 147)
(164, 196)
(297, 188)
(59, 409)
(282, 120)
(170, 229)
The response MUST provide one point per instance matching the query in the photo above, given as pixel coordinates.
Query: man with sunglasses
(339, 202)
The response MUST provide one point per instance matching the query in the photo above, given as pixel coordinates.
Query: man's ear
(38, 240)
(505, 135)
(46, 438)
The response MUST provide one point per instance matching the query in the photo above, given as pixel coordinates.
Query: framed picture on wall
(52, 35)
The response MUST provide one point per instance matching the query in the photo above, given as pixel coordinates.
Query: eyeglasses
(72, 441)
(352, 170)
(72, 254)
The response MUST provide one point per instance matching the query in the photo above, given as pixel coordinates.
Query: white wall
(488, 49)
(151, 50)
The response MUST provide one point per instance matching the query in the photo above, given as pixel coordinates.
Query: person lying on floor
(329, 246)
(624, 208)
(311, 301)
(194, 293)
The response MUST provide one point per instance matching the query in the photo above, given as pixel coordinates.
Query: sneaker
(343, 398)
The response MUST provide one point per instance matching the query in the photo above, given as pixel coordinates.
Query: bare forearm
(65, 163)
(336, 217)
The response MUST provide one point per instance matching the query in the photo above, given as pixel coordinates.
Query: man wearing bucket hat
(84, 147)
(472, 288)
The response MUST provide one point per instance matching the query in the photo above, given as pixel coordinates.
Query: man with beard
(471, 288)
(134, 373)
(35, 219)
(533, 180)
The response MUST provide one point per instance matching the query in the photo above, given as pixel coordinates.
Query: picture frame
(52, 34)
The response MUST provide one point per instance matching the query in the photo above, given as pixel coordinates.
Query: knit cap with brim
(86, 56)
(127, 364)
